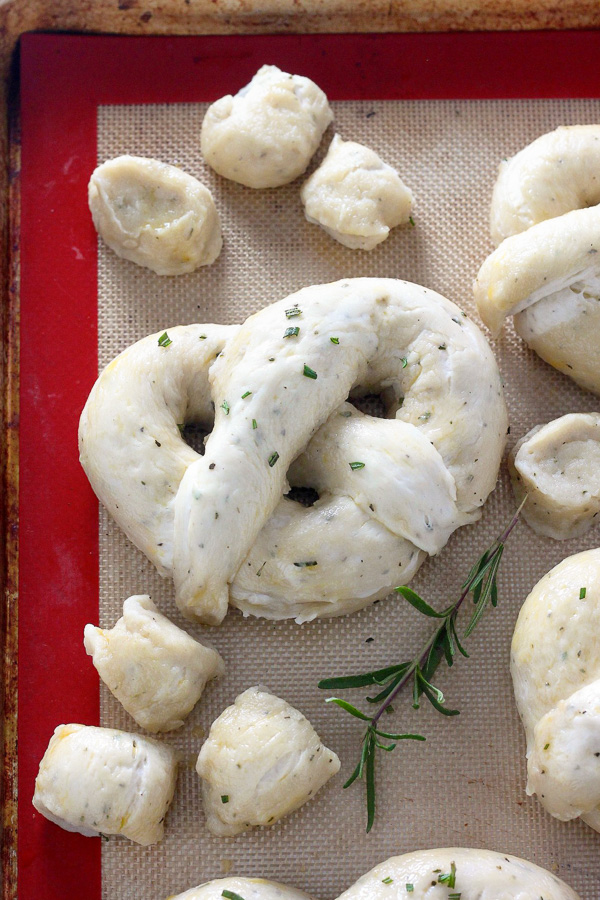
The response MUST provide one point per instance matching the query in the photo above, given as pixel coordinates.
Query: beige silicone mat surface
(466, 785)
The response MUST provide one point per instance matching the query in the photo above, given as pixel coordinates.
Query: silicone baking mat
(443, 109)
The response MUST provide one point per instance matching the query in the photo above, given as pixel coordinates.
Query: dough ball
(355, 196)
(156, 670)
(102, 781)
(558, 466)
(154, 215)
(267, 133)
(261, 760)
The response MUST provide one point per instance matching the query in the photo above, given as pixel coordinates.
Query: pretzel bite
(102, 781)
(458, 872)
(154, 215)
(156, 670)
(558, 466)
(261, 760)
(266, 134)
(555, 663)
(355, 196)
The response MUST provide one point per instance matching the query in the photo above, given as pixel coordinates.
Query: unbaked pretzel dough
(154, 215)
(390, 491)
(555, 663)
(266, 135)
(558, 466)
(103, 781)
(156, 670)
(260, 762)
(355, 196)
(247, 888)
(479, 875)
(546, 271)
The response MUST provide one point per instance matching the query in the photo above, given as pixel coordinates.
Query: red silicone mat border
(63, 79)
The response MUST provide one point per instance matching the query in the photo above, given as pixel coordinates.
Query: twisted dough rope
(546, 271)
(218, 522)
(555, 666)
(479, 875)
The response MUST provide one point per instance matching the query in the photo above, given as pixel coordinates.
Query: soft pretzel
(448, 872)
(558, 467)
(390, 491)
(555, 664)
(246, 888)
(468, 874)
(546, 271)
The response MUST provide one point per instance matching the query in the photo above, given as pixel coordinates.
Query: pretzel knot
(556, 672)
(545, 216)
(390, 491)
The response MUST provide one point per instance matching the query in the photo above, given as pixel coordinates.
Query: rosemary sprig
(442, 644)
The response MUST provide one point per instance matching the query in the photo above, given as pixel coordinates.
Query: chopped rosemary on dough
(404, 361)
(254, 425)
(306, 565)
(310, 373)
(294, 311)
(164, 340)
(291, 332)
(231, 895)
(387, 880)
(412, 221)
(225, 407)
(247, 394)
(273, 457)
(449, 878)
(582, 593)
(224, 798)
(334, 340)
(356, 465)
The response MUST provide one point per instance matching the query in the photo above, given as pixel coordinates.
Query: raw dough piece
(437, 456)
(246, 888)
(261, 760)
(479, 875)
(555, 663)
(156, 670)
(154, 215)
(102, 781)
(355, 196)
(546, 271)
(266, 134)
(558, 466)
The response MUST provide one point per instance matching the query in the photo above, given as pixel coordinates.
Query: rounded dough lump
(355, 196)
(262, 760)
(102, 781)
(220, 524)
(266, 135)
(155, 215)
(555, 664)
(156, 670)
(558, 466)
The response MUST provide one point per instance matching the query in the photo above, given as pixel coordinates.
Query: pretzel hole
(382, 405)
(194, 435)
(305, 496)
